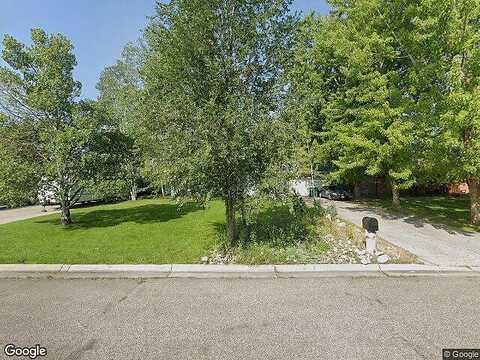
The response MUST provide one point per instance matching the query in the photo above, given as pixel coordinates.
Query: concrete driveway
(433, 244)
(10, 215)
(322, 318)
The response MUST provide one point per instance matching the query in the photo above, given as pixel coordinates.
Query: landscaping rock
(341, 250)
(383, 259)
(329, 237)
(204, 259)
(219, 259)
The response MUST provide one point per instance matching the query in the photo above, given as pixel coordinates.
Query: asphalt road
(322, 318)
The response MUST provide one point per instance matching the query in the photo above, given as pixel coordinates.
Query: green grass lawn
(443, 210)
(143, 232)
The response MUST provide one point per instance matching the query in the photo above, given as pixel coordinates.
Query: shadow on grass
(144, 214)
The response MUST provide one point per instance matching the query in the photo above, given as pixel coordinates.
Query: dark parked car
(335, 193)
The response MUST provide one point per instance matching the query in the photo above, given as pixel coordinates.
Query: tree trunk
(356, 191)
(133, 192)
(163, 191)
(243, 213)
(231, 221)
(474, 188)
(395, 196)
(66, 218)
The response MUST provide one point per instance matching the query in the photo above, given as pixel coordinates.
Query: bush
(279, 223)
(273, 231)
(330, 210)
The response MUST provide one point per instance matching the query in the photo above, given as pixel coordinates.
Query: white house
(301, 186)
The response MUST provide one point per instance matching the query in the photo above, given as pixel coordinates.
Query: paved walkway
(10, 215)
(432, 243)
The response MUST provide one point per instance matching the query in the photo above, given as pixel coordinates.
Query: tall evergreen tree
(441, 42)
(347, 74)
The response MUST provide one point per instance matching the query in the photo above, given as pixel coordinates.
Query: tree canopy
(225, 97)
(390, 88)
(56, 144)
(121, 96)
(211, 79)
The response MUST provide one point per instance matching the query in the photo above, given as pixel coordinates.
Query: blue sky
(98, 28)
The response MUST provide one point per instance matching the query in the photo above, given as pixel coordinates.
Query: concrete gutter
(229, 271)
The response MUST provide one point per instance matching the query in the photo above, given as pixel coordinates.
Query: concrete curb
(222, 271)
(229, 271)
(327, 270)
(418, 269)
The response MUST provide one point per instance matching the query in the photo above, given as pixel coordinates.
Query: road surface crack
(78, 353)
(111, 305)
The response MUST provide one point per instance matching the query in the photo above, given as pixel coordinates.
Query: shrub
(274, 231)
(279, 223)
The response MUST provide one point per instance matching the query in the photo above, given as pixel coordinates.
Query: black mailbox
(370, 224)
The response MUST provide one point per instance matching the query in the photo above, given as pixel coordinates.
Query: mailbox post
(370, 224)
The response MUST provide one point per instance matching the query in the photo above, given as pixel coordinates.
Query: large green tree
(211, 81)
(391, 88)
(121, 95)
(440, 40)
(64, 145)
(19, 176)
(345, 87)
